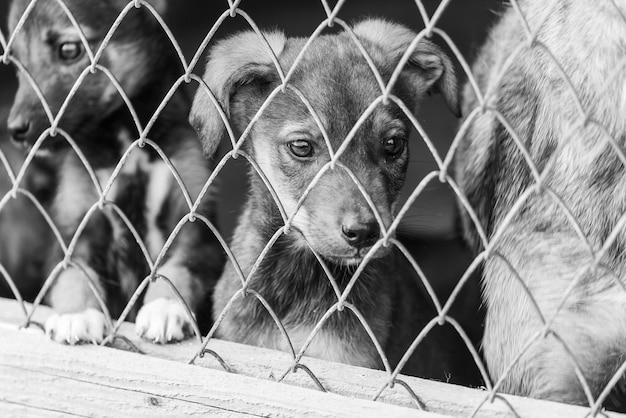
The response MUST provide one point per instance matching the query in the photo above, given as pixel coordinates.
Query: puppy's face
(50, 49)
(289, 146)
(343, 215)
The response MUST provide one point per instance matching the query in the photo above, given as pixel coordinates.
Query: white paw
(86, 326)
(162, 321)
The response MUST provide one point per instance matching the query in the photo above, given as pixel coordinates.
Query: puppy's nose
(360, 234)
(19, 129)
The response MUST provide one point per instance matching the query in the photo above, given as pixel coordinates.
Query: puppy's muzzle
(360, 234)
(19, 129)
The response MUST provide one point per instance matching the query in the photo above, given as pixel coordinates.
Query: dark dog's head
(50, 49)
(287, 143)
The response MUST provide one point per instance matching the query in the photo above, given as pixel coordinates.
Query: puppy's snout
(360, 234)
(19, 128)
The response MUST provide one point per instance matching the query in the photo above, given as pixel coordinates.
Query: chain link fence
(28, 182)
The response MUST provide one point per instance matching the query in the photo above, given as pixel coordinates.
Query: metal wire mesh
(441, 174)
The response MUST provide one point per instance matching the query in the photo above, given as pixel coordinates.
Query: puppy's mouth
(49, 148)
(356, 257)
(345, 260)
(42, 152)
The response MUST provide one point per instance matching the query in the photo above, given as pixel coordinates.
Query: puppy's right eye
(301, 148)
(394, 147)
(70, 51)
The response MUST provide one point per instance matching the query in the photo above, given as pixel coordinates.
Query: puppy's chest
(323, 344)
(140, 190)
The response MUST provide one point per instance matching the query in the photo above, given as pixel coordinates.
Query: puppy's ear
(233, 63)
(429, 68)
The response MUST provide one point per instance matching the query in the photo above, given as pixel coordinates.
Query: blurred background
(431, 220)
(466, 22)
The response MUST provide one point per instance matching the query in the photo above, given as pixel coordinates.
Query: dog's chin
(354, 257)
(344, 260)
(46, 150)
(44, 153)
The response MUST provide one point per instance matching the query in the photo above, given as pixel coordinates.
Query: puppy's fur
(587, 39)
(24, 234)
(140, 57)
(339, 84)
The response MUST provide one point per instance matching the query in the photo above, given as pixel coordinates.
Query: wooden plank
(14, 409)
(354, 382)
(100, 381)
(41, 390)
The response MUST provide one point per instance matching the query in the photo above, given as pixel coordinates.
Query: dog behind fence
(141, 152)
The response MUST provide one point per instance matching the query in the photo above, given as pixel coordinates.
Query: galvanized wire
(443, 162)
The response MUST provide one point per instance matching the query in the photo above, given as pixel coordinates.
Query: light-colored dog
(546, 254)
(334, 219)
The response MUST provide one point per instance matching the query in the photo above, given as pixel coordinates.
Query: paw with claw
(163, 321)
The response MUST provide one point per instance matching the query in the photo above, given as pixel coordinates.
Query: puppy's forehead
(331, 65)
(335, 78)
(48, 14)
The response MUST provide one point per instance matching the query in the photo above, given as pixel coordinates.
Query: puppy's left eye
(301, 148)
(70, 51)
(394, 147)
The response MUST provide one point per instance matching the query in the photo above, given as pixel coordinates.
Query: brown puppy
(140, 58)
(335, 220)
(544, 266)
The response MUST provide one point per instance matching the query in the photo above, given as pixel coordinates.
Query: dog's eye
(70, 51)
(394, 147)
(301, 148)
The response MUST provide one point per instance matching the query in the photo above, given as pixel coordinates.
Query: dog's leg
(163, 318)
(194, 261)
(191, 270)
(585, 324)
(78, 314)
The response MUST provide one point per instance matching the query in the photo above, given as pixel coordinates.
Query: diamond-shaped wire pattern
(488, 240)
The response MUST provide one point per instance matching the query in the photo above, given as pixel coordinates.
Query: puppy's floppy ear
(234, 62)
(429, 67)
